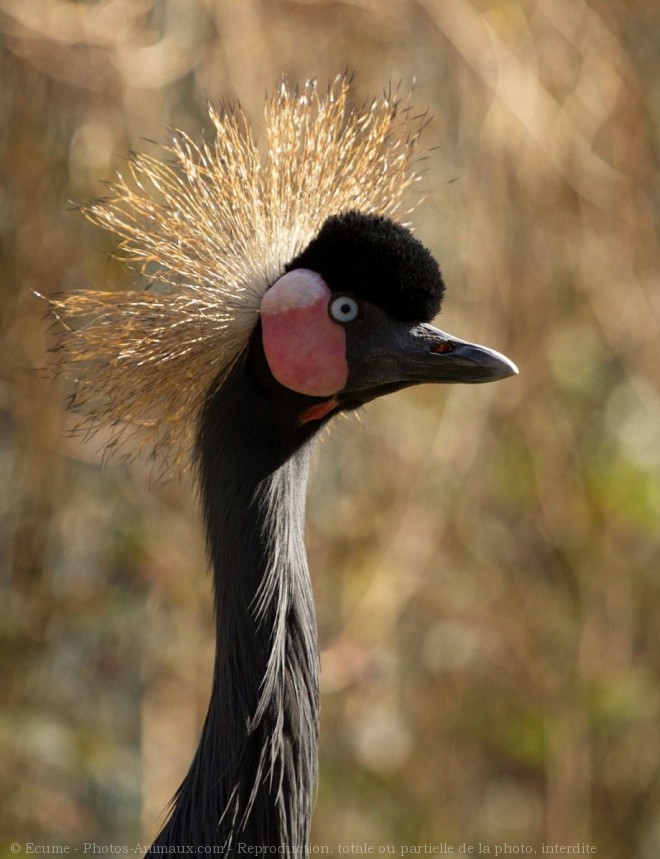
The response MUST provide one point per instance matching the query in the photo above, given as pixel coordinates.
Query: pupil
(346, 309)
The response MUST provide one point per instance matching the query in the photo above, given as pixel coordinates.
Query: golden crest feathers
(213, 228)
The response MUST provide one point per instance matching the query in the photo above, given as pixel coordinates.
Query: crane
(284, 289)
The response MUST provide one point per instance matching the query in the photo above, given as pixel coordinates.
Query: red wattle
(305, 349)
(319, 411)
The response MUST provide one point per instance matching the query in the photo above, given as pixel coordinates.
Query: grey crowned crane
(287, 292)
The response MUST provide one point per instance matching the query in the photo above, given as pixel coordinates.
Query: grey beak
(408, 354)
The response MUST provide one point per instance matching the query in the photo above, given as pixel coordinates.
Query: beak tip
(495, 366)
(512, 369)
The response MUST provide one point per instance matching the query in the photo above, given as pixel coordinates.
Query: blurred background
(486, 559)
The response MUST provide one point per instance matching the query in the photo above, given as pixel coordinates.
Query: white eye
(344, 309)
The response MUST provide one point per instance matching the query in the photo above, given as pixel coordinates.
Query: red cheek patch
(305, 349)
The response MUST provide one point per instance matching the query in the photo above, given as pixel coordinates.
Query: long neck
(253, 776)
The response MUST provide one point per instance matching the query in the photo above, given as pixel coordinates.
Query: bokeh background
(486, 560)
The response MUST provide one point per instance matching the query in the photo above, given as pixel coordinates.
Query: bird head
(349, 320)
(293, 254)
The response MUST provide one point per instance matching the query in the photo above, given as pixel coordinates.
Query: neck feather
(253, 777)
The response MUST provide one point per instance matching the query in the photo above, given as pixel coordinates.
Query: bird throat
(254, 773)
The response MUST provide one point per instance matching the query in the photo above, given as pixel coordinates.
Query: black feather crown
(380, 261)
